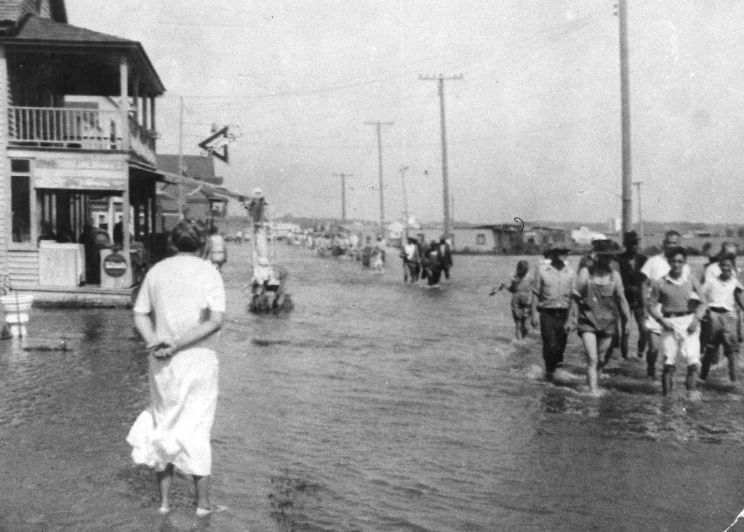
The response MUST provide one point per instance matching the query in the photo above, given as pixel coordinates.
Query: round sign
(115, 265)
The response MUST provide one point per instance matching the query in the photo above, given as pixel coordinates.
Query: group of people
(426, 261)
(677, 314)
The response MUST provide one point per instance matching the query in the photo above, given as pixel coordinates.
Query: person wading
(669, 304)
(552, 290)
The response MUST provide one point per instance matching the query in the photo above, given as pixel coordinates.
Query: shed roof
(196, 166)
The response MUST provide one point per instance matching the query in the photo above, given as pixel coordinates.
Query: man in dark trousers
(630, 263)
(445, 257)
(553, 287)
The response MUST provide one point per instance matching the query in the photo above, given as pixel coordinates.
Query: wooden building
(77, 127)
(499, 239)
(200, 201)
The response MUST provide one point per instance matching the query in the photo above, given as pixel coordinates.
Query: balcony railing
(70, 128)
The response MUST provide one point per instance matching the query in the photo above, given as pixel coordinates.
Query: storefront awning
(217, 190)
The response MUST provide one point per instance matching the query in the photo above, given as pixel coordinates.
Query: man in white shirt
(723, 293)
(655, 268)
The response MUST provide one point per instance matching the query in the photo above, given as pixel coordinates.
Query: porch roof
(13, 10)
(35, 32)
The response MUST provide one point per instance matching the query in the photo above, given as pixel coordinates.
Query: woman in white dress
(180, 306)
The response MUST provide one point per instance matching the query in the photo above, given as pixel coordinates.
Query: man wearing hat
(553, 287)
(630, 263)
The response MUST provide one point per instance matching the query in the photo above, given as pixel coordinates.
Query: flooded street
(372, 406)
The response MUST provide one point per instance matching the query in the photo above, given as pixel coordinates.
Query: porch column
(111, 218)
(125, 203)
(152, 112)
(137, 114)
(145, 114)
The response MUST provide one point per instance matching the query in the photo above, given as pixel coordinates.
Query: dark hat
(604, 247)
(631, 237)
(555, 248)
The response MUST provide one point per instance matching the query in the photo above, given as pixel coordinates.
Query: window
(20, 200)
(480, 239)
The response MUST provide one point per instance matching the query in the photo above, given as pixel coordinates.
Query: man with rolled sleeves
(553, 287)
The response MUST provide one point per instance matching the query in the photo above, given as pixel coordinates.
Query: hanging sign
(217, 144)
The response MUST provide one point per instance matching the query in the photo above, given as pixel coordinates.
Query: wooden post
(125, 200)
(625, 116)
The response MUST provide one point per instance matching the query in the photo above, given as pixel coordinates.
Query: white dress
(176, 427)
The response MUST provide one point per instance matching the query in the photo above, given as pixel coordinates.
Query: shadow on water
(287, 500)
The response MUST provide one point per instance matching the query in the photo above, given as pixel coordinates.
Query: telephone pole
(640, 214)
(403, 170)
(445, 179)
(181, 199)
(343, 177)
(622, 12)
(379, 125)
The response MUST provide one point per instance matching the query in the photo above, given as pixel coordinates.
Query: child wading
(677, 293)
(521, 301)
(598, 305)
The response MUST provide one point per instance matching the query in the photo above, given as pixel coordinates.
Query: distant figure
(380, 244)
(239, 236)
(367, 252)
(553, 288)
(217, 248)
(268, 285)
(598, 307)
(433, 264)
(92, 252)
(257, 207)
(411, 261)
(118, 233)
(376, 261)
(445, 257)
(521, 300)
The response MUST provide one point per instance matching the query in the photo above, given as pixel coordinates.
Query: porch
(72, 128)
(84, 296)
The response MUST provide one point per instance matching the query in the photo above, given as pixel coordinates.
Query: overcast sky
(533, 126)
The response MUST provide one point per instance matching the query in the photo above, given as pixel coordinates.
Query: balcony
(77, 129)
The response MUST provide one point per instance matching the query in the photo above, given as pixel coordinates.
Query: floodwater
(372, 406)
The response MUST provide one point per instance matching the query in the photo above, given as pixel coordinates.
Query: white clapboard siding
(23, 267)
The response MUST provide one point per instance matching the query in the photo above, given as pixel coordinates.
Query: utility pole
(379, 125)
(445, 179)
(625, 115)
(403, 170)
(181, 199)
(343, 177)
(640, 214)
